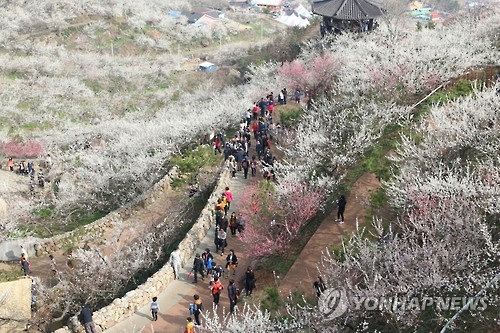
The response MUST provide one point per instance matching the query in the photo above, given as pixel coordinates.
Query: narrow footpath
(304, 270)
(175, 299)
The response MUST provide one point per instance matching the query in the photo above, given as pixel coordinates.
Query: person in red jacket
(216, 290)
(217, 144)
(255, 111)
(255, 129)
(229, 197)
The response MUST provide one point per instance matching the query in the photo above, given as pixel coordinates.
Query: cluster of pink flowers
(16, 149)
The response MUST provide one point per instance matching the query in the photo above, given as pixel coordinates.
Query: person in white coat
(24, 252)
(175, 262)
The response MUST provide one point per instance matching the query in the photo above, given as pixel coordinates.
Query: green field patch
(25, 105)
(47, 224)
(193, 160)
(15, 75)
(461, 88)
(10, 272)
(272, 300)
(44, 212)
(290, 117)
(93, 85)
(33, 126)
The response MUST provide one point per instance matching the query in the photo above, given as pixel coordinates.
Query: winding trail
(304, 270)
(175, 299)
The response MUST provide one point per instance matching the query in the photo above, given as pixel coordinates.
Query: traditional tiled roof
(347, 9)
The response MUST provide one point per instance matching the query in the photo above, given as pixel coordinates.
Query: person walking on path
(198, 308)
(25, 265)
(253, 165)
(245, 165)
(255, 111)
(319, 286)
(207, 260)
(231, 292)
(189, 326)
(231, 262)
(229, 198)
(240, 223)
(248, 117)
(340, 214)
(24, 253)
(216, 290)
(232, 166)
(10, 164)
(52, 262)
(224, 223)
(233, 223)
(216, 239)
(198, 268)
(87, 320)
(249, 281)
(297, 95)
(217, 144)
(155, 308)
(219, 212)
(221, 235)
(175, 262)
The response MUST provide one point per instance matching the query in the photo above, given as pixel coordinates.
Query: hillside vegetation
(108, 90)
(106, 101)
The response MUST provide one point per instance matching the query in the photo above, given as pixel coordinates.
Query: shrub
(290, 117)
(30, 148)
(272, 300)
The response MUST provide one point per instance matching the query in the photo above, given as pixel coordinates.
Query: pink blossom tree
(316, 77)
(13, 148)
(275, 218)
(293, 74)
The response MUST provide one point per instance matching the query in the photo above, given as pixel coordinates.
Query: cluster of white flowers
(453, 152)
(377, 75)
(333, 135)
(445, 181)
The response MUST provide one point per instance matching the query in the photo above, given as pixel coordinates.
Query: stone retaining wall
(121, 308)
(10, 249)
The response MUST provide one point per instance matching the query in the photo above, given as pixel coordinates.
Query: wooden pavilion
(350, 15)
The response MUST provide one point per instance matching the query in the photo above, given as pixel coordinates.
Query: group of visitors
(258, 123)
(235, 222)
(204, 265)
(23, 167)
(257, 130)
(27, 168)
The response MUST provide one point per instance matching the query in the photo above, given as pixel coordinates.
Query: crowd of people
(248, 151)
(257, 124)
(27, 168)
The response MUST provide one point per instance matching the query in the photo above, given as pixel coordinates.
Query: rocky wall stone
(121, 308)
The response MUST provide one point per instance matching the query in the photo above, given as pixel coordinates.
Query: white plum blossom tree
(444, 186)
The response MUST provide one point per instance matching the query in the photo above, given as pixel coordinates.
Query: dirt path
(175, 299)
(304, 271)
(13, 188)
